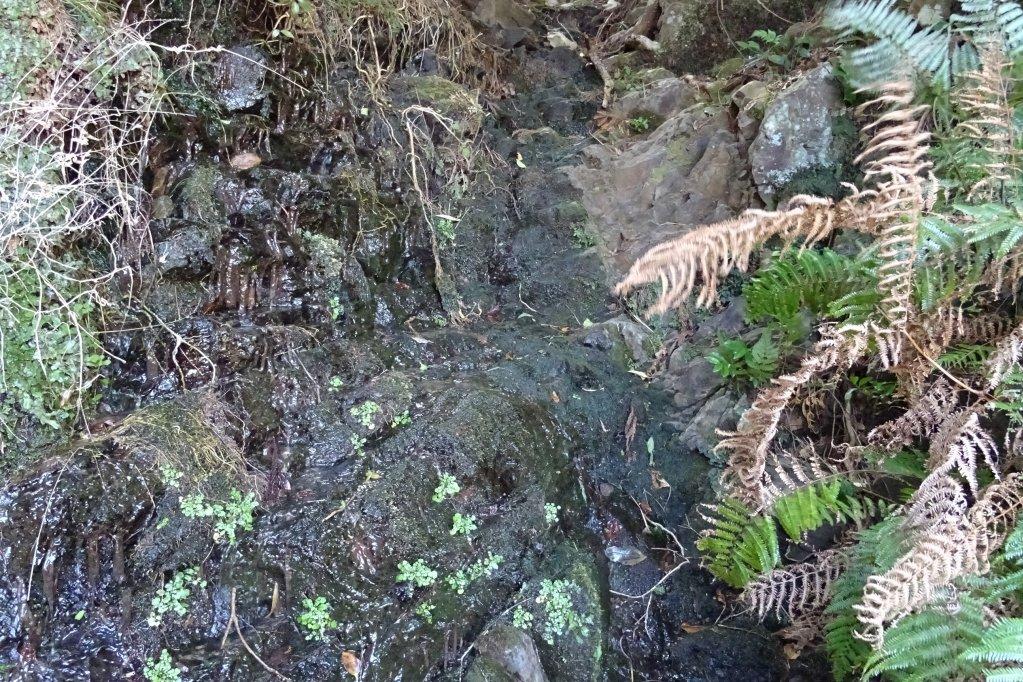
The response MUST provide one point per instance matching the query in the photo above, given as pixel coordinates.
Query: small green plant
(462, 525)
(734, 359)
(228, 517)
(173, 596)
(425, 611)
(170, 476)
(335, 308)
(161, 669)
(582, 237)
(358, 443)
(460, 580)
(444, 227)
(403, 419)
(417, 573)
(446, 487)
(335, 384)
(365, 412)
(550, 513)
(560, 616)
(522, 618)
(315, 618)
(777, 49)
(639, 124)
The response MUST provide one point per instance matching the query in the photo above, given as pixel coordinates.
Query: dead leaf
(657, 480)
(555, 397)
(631, 423)
(351, 663)
(245, 161)
(642, 375)
(791, 651)
(690, 629)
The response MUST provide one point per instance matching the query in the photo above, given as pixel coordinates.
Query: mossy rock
(448, 98)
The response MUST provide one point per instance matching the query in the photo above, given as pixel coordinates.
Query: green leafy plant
(734, 359)
(739, 545)
(237, 513)
(779, 50)
(417, 573)
(444, 226)
(316, 619)
(560, 615)
(161, 669)
(639, 124)
(403, 419)
(173, 596)
(462, 525)
(460, 580)
(447, 486)
(582, 237)
(550, 513)
(522, 618)
(365, 412)
(335, 384)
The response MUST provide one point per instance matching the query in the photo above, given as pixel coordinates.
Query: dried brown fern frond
(957, 445)
(983, 98)
(797, 589)
(787, 471)
(708, 253)
(1005, 359)
(941, 556)
(744, 476)
(898, 146)
(939, 501)
(925, 415)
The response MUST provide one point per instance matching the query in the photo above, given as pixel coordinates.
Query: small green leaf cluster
(228, 517)
(315, 618)
(460, 580)
(446, 487)
(550, 513)
(365, 412)
(173, 596)
(462, 524)
(417, 573)
(403, 419)
(734, 359)
(780, 50)
(560, 616)
(161, 669)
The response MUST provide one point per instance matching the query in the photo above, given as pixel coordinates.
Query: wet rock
(240, 72)
(447, 97)
(687, 173)
(188, 250)
(506, 654)
(697, 34)
(798, 132)
(620, 330)
(727, 654)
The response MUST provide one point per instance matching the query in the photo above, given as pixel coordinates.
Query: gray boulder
(798, 132)
(506, 654)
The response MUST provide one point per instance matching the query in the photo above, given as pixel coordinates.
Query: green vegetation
(550, 513)
(417, 573)
(775, 49)
(734, 359)
(315, 618)
(173, 597)
(425, 611)
(366, 412)
(228, 517)
(462, 525)
(161, 669)
(403, 419)
(447, 486)
(460, 580)
(559, 614)
(639, 124)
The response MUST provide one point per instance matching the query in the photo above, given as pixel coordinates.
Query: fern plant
(739, 545)
(735, 359)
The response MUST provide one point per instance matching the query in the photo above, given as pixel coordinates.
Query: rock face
(697, 34)
(240, 74)
(506, 654)
(508, 24)
(689, 172)
(798, 133)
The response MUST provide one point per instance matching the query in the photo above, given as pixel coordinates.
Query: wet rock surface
(314, 353)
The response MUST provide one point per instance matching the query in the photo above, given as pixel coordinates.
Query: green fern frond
(928, 645)
(993, 16)
(821, 281)
(999, 645)
(965, 357)
(1013, 547)
(900, 41)
(739, 545)
(876, 550)
(820, 503)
